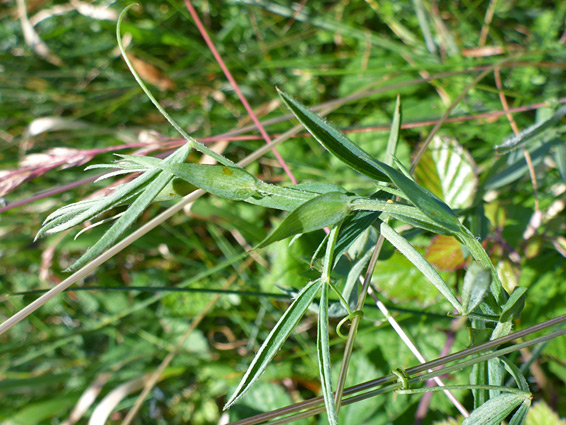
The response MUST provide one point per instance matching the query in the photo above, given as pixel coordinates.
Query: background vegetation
(76, 103)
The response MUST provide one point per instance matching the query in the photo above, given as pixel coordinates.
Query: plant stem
(314, 402)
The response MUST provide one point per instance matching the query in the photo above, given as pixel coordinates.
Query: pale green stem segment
(323, 345)
(462, 387)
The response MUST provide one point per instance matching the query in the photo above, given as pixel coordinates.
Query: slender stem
(369, 385)
(409, 343)
(355, 323)
(463, 387)
(236, 88)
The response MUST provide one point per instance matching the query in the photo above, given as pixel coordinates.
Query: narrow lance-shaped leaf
(125, 221)
(419, 261)
(495, 410)
(325, 210)
(514, 371)
(233, 183)
(72, 215)
(359, 160)
(276, 338)
(560, 158)
(334, 140)
(520, 415)
(475, 287)
(220, 180)
(514, 305)
(323, 351)
(532, 132)
(394, 133)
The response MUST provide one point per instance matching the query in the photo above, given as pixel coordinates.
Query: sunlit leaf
(275, 339)
(419, 262)
(325, 210)
(447, 170)
(445, 252)
(323, 352)
(493, 411)
(359, 160)
(476, 285)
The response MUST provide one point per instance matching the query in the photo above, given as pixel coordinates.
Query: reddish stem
(232, 81)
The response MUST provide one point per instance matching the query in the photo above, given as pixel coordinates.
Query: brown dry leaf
(11, 179)
(95, 12)
(151, 74)
(66, 157)
(33, 40)
(46, 124)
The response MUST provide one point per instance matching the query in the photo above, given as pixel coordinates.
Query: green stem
(464, 387)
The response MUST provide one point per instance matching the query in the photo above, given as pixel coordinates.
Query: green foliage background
(339, 49)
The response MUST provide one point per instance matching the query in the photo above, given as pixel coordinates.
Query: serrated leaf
(476, 286)
(276, 338)
(447, 170)
(445, 252)
(323, 352)
(420, 263)
(325, 210)
(495, 410)
(514, 305)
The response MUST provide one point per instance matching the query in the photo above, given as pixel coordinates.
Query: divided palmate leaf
(344, 149)
(276, 338)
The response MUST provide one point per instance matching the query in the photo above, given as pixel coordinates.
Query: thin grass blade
(531, 133)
